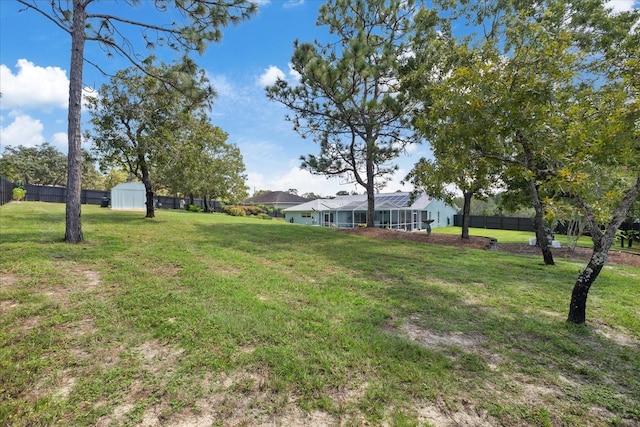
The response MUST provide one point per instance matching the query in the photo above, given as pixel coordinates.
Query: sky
(34, 81)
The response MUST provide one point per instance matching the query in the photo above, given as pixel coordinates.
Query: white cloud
(222, 86)
(305, 182)
(293, 3)
(33, 86)
(621, 5)
(88, 92)
(270, 76)
(61, 141)
(23, 130)
(294, 74)
(255, 182)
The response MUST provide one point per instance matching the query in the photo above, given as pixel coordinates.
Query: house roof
(129, 186)
(276, 197)
(358, 202)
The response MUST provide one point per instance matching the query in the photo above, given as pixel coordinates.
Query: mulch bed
(476, 242)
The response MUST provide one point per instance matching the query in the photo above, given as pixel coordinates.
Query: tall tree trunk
(466, 214)
(73, 232)
(148, 187)
(371, 194)
(543, 234)
(206, 204)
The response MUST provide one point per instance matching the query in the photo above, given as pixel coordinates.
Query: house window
(307, 215)
(360, 217)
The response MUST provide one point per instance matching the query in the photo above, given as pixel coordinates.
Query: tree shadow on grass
(407, 282)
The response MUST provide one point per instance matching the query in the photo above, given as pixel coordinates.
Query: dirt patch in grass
(618, 336)
(438, 415)
(463, 412)
(477, 242)
(434, 340)
(501, 387)
(474, 242)
(7, 280)
(239, 398)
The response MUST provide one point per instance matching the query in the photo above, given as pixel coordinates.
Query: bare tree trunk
(73, 232)
(543, 233)
(466, 214)
(371, 206)
(148, 186)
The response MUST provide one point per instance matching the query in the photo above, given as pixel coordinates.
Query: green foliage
(549, 90)
(193, 208)
(202, 162)
(42, 165)
(234, 211)
(348, 98)
(494, 206)
(247, 210)
(137, 121)
(114, 177)
(19, 193)
(264, 216)
(628, 236)
(199, 24)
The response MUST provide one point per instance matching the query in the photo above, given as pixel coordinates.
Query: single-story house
(392, 210)
(276, 200)
(128, 195)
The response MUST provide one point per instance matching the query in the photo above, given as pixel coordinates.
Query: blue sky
(34, 64)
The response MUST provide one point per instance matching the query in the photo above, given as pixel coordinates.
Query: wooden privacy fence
(47, 193)
(6, 191)
(522, 224)
(496, 222)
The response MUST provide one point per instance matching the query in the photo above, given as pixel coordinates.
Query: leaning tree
(560, 80)
(108, 23)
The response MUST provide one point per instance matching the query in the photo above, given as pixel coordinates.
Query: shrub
(246, 210)
(252, 210)
(264, 216)
(193, 208)
(235, 211)
(19, 193)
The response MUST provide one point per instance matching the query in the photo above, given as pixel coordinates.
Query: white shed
(128, 195)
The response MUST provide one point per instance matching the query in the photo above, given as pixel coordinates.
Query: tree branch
(45, 14)
(134, 23)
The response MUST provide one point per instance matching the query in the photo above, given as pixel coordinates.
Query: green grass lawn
(510, 236)
(206, 319)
